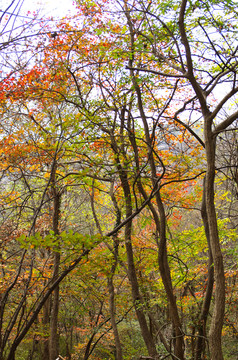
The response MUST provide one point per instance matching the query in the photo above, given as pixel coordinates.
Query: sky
(18, 12)
(15, 17)
(55, 8)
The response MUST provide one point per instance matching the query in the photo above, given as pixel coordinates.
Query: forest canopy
(119, 181)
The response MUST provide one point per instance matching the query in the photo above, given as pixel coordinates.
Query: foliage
(109, 237)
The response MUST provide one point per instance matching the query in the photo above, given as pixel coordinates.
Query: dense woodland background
(119, 181)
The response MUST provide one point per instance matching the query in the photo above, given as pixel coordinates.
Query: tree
(203, 81)
(126, 116)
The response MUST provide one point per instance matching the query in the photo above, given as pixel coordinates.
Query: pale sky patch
(55, 8)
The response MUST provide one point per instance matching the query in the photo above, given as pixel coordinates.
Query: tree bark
(46, 324)
(112, 305)
(54, 337)
(112, 309)
(201, 338)
(167, 282)
(137, 300)
(215, 332)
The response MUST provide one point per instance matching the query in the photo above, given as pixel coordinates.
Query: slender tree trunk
(112, 309)
(167, 282)
(112, 306)
(161, 226)
(137, 300)
(54, 337)
(201, 339)
(46, 324)
(215, 332)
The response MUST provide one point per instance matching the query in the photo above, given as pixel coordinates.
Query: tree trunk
(161, 226)
(215, 332)
(112, 310)
(137, 300)
(46, 323)
(200, 341)
(54, 337)
(167, 282)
